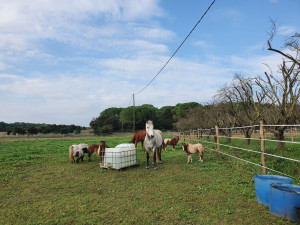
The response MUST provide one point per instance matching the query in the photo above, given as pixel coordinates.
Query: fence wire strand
(188, 134)
(252, 163)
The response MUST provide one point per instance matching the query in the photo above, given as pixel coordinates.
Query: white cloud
(23, 23)
(79, 98)
(233, 16)
(203, 44)
(287, 30)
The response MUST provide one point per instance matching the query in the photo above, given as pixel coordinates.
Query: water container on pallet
(122, 156)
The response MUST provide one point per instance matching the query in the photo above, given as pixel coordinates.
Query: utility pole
(133, 115)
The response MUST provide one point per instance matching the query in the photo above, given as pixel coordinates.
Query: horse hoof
(147, 167)
(155, 168)
(160, 162)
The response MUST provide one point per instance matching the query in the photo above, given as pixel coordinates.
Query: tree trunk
(247, 136)
(280, 145)
(215, 137)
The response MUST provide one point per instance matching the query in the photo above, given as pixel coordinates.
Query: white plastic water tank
(123, 155)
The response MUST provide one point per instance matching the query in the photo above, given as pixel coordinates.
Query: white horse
(153, 140)
(78, 152)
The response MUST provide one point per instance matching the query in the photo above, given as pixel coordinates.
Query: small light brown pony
(193, 149)
(139, 136)
(99, 152)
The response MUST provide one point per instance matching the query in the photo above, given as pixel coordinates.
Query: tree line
(121, 119)
(33, 128)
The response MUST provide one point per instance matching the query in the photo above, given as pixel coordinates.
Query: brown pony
(95, 148)
(139, 136)
(101, 150)
(172, 142)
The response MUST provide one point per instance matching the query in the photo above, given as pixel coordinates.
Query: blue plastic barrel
(284, 200)
(262, 184)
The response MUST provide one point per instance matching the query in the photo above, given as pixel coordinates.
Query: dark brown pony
(139, 136)
(95, 148)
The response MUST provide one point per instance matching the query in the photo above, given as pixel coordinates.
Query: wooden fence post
(262, 141)
(218, 138)
(292, 136)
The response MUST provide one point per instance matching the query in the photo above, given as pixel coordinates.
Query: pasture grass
(38, 185)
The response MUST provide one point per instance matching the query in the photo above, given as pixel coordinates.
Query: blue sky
(65, 61)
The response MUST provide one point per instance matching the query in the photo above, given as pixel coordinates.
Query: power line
(130, 101)
(177, 49)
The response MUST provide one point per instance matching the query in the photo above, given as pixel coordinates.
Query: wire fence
(223, 144)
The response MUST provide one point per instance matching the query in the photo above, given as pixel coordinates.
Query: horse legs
(135, 143)
(147, 167)
(159, 154)
(173, 148)
(201, 157)
(154, 158)
(143, 146)
(189, 158)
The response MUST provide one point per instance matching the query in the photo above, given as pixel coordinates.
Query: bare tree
(245, 103)
(282, 89)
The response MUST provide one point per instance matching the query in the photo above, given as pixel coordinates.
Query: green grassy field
(40, 186)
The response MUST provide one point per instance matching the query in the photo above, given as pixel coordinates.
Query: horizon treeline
(35, 128)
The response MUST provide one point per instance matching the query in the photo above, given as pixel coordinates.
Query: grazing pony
(78, 152)
(172, 142)
(94, 148)
(139, 136)
(101, 150)
(153, 140)
(193, 149)
(165, 143)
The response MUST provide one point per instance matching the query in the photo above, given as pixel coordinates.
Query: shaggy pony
(193, 149)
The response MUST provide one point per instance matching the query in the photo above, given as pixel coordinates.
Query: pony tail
(71, 153)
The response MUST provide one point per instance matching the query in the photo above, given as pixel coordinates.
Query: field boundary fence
(260, 133)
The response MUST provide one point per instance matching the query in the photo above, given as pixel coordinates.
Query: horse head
(184, 146)
(149, 129)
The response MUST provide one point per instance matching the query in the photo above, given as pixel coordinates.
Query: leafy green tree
(181, 110)
(144, 113)
(109, 119)
(126, 118)
(32, 130)
(78, 130)
(165, 118)
(64, 130)
(18, 130)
